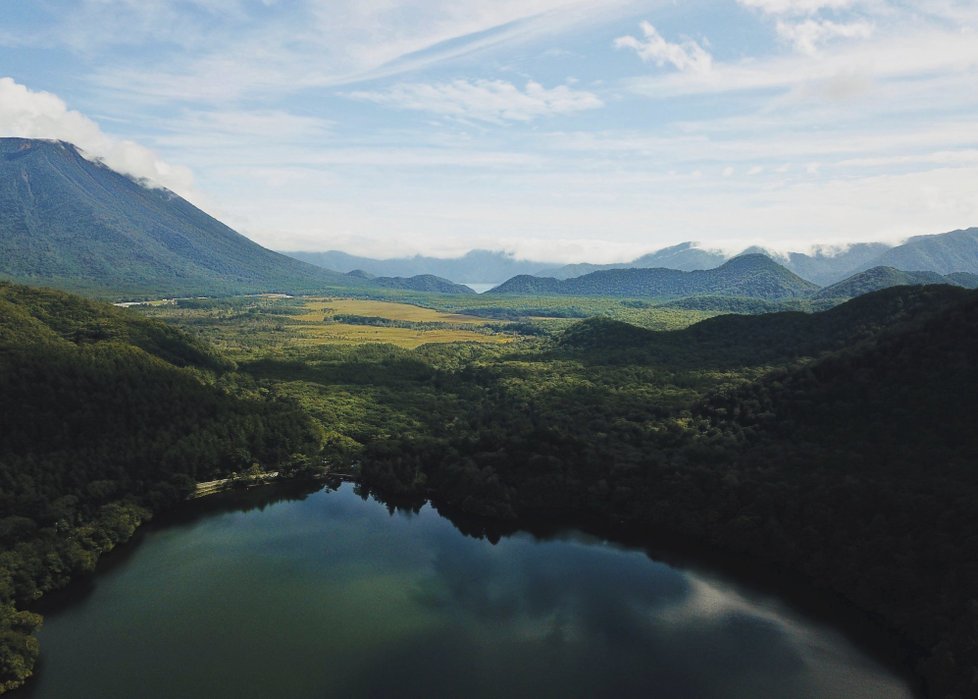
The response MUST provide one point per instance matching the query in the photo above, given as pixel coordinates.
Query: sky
(564, 130)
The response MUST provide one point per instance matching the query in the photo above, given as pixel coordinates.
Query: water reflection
(334, 594)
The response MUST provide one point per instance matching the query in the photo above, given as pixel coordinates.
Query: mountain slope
(956, 251)
(751, 340)
(685, 257)
(66, 221)
(878, 440)
(880, 278)
(827, 266)
(751, 276)
(420, 282)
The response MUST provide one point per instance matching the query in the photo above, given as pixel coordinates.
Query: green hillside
(108, 417)
(749, 276)
(839, 446)
(419, 282)
(752, 340)
(880, 278)
(956, 251)
(74, 224)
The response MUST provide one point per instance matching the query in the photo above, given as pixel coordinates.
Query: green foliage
(837, 444)
(880, 278)
(752, 276)
(108, 417)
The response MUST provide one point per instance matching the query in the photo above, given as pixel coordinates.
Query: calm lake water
(331, 595)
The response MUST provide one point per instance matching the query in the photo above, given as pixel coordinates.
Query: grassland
(247, 327)
(317, 308)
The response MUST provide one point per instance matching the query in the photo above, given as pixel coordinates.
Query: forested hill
(68, 222)
(420, 282)
(838, 445)
(884, 277)
(751, 340)
(749, 276)
(876, 453)
(106, 418)
(956, 251)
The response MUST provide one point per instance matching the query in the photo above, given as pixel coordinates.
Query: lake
(332, 595)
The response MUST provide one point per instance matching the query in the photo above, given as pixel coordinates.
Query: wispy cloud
(653, 48)
(795, 7)
(807, 36)
(318, 43)
(26, 113)
(921, 54)
(803, 24)
(484, 100)
(784, 120)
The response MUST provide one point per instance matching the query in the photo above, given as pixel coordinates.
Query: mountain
(686, 257)
(738, 340)
(68, 222)
(826, 265)
(475, 267)
(881, 278)
(943, 253)
(956, 251)
(968, 280)
(420, 282)
(751, 276)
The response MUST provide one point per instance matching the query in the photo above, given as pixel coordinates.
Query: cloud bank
(25, 113)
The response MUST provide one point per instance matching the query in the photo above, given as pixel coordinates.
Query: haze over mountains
(945, 253)
(474, 267)
(69, 222)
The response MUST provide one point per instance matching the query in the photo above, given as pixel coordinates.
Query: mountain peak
(76, 224)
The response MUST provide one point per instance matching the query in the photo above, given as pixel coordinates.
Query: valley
(821, 431)
(437, 349)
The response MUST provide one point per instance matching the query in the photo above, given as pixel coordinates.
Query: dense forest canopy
(108, 417)
(838, 444)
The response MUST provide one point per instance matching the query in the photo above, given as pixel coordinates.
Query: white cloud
(926, 53)
(484, 100)
(316, 43)
(687, 56)
(795, 7)
(808, 35)
(25, 113)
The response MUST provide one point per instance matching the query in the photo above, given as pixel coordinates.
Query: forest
(108, 418)
(836, 445)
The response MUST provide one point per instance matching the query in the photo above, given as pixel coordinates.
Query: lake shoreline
(542, 530)
(662, 545)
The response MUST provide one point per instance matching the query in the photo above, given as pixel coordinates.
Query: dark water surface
(331, 595)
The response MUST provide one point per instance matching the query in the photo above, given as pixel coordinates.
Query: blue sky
(555, 129)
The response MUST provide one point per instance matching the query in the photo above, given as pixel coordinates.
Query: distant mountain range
(749, 276)
(475, 267)
(69, 222)
(686, 257)
(944, 253)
